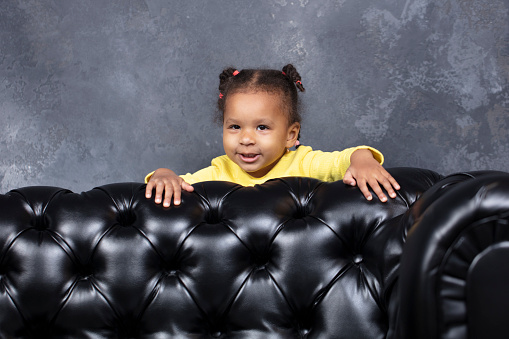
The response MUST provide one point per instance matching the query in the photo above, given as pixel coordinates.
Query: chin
(249, 169)
(252, 172)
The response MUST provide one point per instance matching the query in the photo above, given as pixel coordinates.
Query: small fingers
(167, 185)
(394, 183)
(348, 179)
(148, 189)
(373, 177)
(375, 186)
(390, 185)
(387, 185)
(159, 186)
(176, 194)
(187, 187)
(175, 188)
(167, 190)
(364, 189)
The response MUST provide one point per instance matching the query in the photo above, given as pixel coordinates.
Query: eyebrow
(257, 122)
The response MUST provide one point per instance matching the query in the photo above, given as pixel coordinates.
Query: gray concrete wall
(95, 92)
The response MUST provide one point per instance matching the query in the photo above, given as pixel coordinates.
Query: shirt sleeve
(218, 170)
(205, 174)
(332, 166)
(148, 176)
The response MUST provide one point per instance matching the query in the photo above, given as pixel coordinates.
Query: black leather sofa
(292, 258)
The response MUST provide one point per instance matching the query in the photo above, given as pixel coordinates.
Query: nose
(247, 138)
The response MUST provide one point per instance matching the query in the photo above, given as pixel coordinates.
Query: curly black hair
(285, 83)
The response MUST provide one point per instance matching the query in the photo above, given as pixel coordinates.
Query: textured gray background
(95, 92)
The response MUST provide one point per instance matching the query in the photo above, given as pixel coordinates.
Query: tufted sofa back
(292, 258)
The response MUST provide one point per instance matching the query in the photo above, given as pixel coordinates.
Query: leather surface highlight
(292, 258)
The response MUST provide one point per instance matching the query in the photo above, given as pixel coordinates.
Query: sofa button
(357, 259)
(216, 334)
(85, 271)
(304, 332)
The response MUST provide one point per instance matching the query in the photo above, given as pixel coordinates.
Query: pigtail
(225, 76)
(224, 79)
(291, 72)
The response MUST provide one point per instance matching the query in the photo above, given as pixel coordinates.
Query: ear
(292, 135)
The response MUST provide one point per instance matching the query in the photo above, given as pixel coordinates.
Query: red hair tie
(284, 73)
(221, 95)
(236, 72)
(298, 82)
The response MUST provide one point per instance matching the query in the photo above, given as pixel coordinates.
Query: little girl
(261, 123)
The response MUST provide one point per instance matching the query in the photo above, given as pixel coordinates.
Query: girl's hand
(165, 180)
(364, 170)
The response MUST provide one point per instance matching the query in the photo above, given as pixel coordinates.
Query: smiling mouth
(249, 157)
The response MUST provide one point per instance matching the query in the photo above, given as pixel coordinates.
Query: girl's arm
(364, 170)
(167, 182)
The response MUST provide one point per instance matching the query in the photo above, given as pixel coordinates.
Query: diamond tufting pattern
(292, 258)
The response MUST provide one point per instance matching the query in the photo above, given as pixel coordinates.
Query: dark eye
(263, 127)
(234, 127)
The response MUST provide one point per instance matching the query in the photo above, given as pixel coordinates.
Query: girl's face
(256, 132)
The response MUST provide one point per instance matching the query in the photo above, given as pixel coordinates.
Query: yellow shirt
(304, 162)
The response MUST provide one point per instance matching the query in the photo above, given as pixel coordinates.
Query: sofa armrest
(454, 274)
